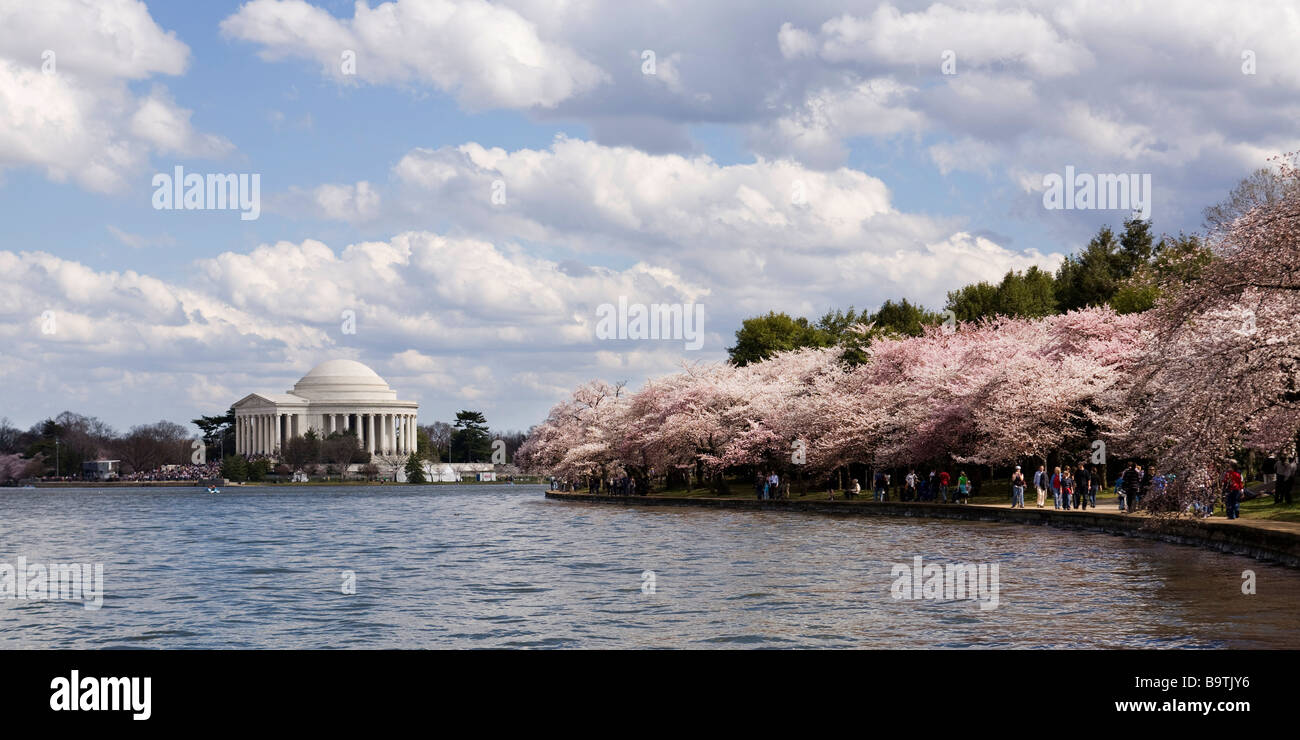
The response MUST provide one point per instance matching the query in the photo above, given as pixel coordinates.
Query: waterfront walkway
(1110, 507)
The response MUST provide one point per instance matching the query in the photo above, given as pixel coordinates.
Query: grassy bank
(992, 493)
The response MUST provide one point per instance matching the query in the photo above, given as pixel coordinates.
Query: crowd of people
(934, 487)
(769, 487)
(1070, 489)
(177, 472)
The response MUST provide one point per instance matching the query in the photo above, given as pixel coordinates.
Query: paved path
(1110, 506)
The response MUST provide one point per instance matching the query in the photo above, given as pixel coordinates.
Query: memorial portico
(336, 396)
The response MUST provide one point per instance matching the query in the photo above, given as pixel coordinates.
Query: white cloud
(359, 202)
(761, 235)
(65, 106)
(489, 56)
(979, 37)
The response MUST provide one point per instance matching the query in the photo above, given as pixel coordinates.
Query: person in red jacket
(1233, 486)
(943, 485)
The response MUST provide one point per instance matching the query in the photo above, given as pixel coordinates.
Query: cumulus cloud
(1112, 85)
(358, 202)
(489, 56)
(448, 320)
(770, 233)
(65, 106)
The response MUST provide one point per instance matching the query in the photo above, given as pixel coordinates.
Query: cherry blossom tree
(992, 392)
(1223, 372)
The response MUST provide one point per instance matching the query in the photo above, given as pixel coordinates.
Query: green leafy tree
(424, 447)
(218, 431)
(904, 318)
(761, 337)
(1177, 261)
(1028, 294)
(974, 301)
(1095, 275)
(259, 469)
(470, 439)
(414, 470)
(1136, 248)
(234, 468)
(1089, 278)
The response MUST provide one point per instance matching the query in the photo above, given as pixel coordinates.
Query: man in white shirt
(1040, 484)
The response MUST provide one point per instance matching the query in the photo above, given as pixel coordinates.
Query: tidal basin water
(502, 567)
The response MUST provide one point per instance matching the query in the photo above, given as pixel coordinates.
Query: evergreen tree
(470, 440)
(414, 470)
(761, 337)
(1090, 278)
(234, 468)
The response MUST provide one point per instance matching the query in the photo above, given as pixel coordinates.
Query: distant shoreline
(287, 484)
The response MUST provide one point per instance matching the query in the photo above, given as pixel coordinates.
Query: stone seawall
(1253, 539)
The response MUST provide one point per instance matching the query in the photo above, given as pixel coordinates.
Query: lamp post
(56, 457)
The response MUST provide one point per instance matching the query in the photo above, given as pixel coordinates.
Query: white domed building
(336, 396)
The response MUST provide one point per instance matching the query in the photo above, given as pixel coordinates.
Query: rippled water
(497, 566)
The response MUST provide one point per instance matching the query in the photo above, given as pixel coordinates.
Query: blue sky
(667, 187)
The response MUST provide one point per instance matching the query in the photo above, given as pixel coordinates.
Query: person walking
(1144, 486)
(1286, 471)
(1158, 482)
(1067, 488)
(1095, 484)
(1233, 485)
(1017, 489)
(909, 490)
(963, 488)
(1040, 484)
(1131, 480)
(944, 478)
(773, 485)
(1055, 484)
(1082, 484)
(879, 486)
(1270, 469)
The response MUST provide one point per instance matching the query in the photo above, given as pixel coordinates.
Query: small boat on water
(213, 489)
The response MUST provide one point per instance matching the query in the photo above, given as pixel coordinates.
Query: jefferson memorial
(336, 396)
